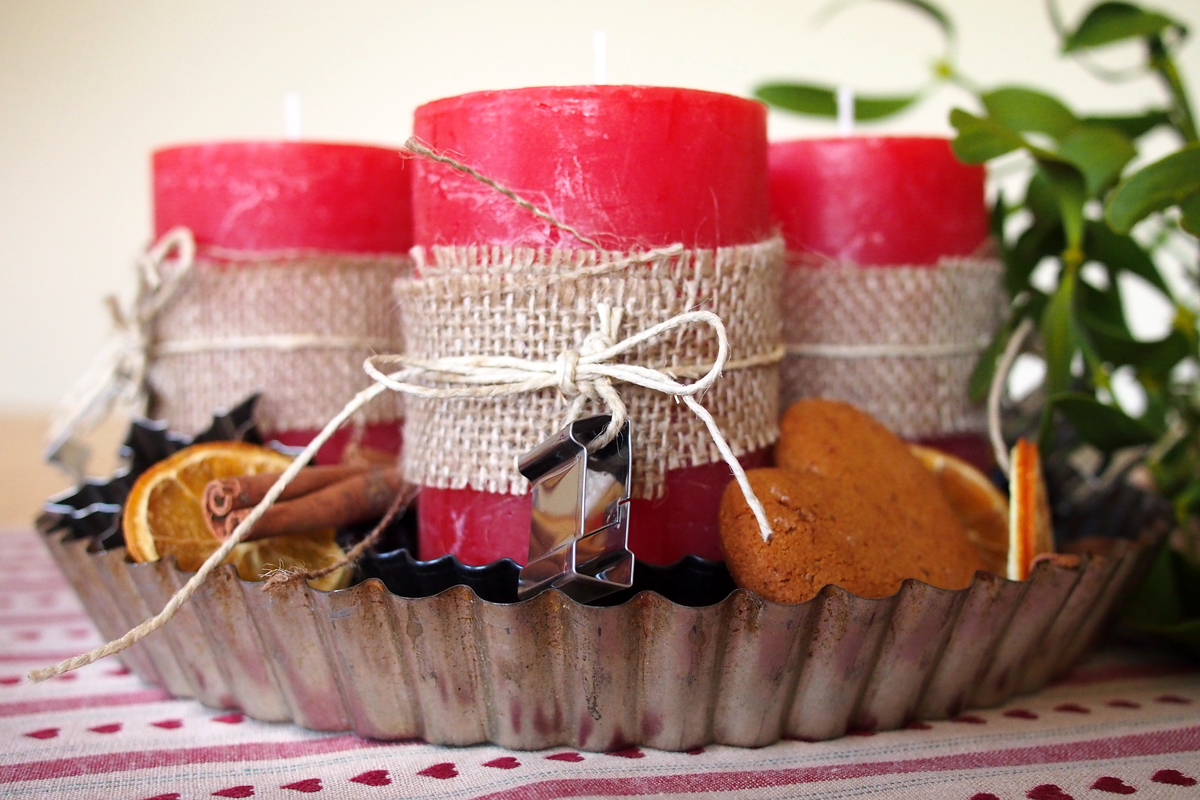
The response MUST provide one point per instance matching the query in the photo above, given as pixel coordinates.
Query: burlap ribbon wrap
(541, 304)
(898, 342)
(294, 326)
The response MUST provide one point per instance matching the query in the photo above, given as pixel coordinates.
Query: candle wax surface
(881, 201)
(264, 196)
(287, 196)
(630, 166)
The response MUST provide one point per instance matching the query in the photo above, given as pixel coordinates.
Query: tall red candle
(281, 197)
(631, 166)
(881, 201)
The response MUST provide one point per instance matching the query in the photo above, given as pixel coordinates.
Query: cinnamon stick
(355, 499)
(229, 494)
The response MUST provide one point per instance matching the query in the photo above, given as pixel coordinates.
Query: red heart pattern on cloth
(1172, 777)
(627, 752)
(112, 727)
(10, 680)
(970, 719)
(1123, 704)
(232, 718)
(44, 733)
(1113, 786)
(984, 796)
(374, 777)
(1048, 791)
(308, 785)
(1173, 698)
(572, 757)
(442, 771)
(167, 796)
(235, 791)
(168, 724)
(1072, 708)
(1020, 713)
(504, 762)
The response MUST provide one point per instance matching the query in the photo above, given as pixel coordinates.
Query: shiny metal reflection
(580, 523)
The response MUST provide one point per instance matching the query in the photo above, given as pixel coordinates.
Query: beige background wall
(88, 88)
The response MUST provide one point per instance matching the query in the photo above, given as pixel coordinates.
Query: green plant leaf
(1114, 22)
(1120, 253)
(1059, 336)
(1104, 427)
(1190, 206)
(1099, 153)
(1067, 183)
(1023, 110)
(980, 139)
(1164, 183)
(821, 101)
(1132, 126)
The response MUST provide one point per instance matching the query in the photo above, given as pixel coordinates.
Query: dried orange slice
(1030, 531)
(975, 501)
(164, 517)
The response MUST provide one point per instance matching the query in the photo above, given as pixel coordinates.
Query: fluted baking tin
(455, 669)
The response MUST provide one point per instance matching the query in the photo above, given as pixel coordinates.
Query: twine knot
(584, 374)
(118, 374)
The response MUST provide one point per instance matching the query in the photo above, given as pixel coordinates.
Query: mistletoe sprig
(1081, 205)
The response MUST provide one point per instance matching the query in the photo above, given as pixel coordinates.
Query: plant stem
(1181, 110)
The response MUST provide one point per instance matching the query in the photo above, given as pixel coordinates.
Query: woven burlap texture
(540, 303)
(955, 307)
(326, 296)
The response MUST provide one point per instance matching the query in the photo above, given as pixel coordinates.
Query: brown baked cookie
(823, 533)
(838, 441)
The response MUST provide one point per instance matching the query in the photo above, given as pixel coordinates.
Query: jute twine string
(583, 372)
(417, 147)
(402, 501)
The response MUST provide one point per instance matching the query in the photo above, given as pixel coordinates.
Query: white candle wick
(845, 110)
(600, 57)
(291, 116)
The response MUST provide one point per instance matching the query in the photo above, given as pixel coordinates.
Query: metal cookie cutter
(580, 526)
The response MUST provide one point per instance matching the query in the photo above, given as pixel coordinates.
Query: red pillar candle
(633, 167)
(880, 202)
(248, 200)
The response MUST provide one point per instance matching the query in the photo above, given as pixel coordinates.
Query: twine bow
(117, 376)
(588, 373)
